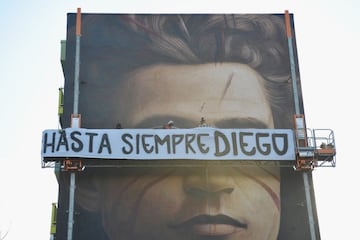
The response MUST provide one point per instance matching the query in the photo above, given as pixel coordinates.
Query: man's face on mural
(211, 201)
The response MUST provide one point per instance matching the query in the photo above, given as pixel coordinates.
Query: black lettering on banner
(189, 138)
(62, 142)
(77, 145)
(125, 138)
(91, 140)
(203, 148)
(176, 140)
(244, 144)
(284, 140)
(159, 141)
(105, 143)
(147, 147)
(51, 144)
(264, 148)
(137, 145)
(219, 135)
(234, 143)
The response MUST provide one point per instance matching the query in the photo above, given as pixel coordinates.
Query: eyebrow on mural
(159, 121)
(241, 123)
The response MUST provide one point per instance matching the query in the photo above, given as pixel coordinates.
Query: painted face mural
(144, 71)
(201, 202)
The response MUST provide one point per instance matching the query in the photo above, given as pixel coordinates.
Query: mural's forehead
(214, 91)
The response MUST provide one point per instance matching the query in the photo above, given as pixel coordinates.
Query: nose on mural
(208, 181)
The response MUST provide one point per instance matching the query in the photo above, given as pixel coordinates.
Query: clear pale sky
(328, 38)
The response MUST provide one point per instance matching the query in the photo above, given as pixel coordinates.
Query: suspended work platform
(314, 148)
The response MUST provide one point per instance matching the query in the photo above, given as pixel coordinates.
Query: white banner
(203, 143)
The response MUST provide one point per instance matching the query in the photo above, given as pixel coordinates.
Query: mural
(147, 71)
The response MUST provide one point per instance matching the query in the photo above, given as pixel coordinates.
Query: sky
(327, 36)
